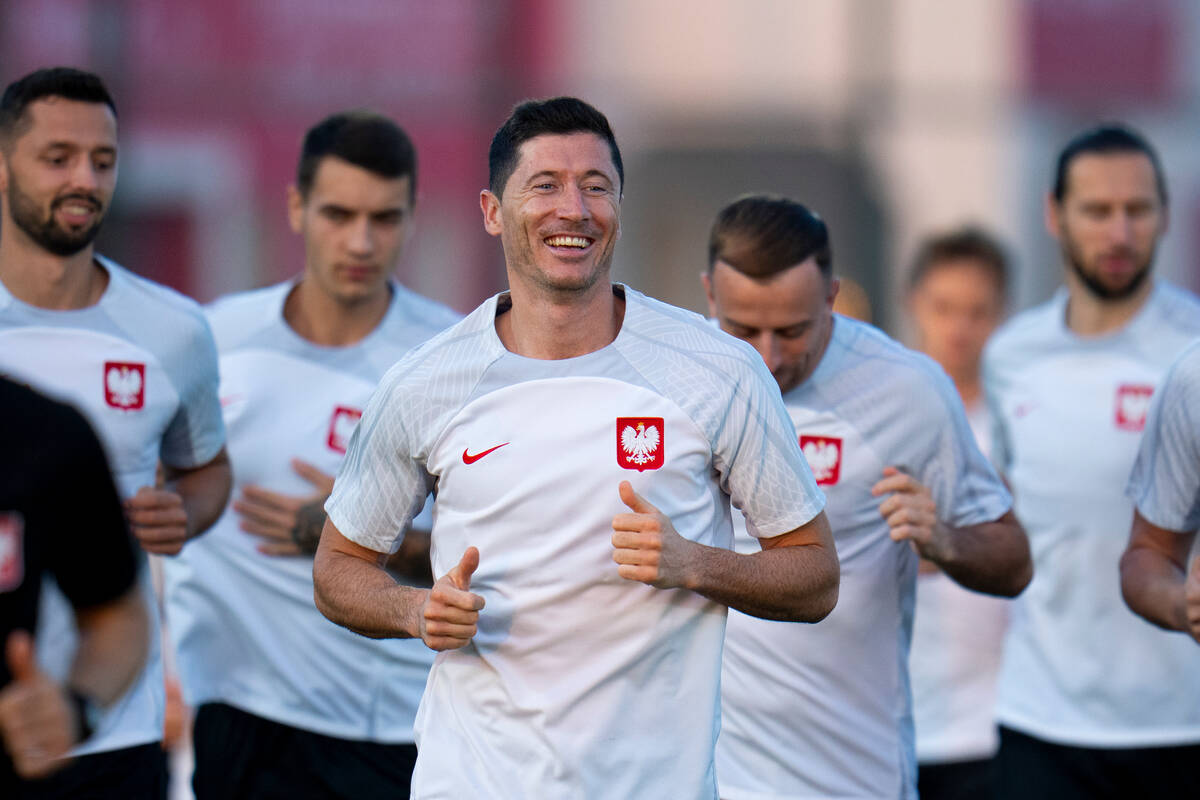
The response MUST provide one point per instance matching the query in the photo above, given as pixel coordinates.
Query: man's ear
(1052, 216)
(489, 204)
(706, 282)
(295, 208)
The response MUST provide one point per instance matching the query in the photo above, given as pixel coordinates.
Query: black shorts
(957, 780)
(1033, 769)
(240, 755)
(132, 773)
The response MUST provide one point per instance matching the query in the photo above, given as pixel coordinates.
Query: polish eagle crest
(124, 384)
(639, 444)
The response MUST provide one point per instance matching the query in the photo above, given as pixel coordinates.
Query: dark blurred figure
(60, 516)
(136, 358)
(1092, 702)
(957, 292)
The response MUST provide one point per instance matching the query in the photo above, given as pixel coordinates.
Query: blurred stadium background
(890, 118)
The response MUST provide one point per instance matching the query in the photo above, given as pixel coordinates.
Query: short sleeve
(94, 560)
(964, 486)
(758, 456)
(197, 431)
(1165, 482)
(381, 485)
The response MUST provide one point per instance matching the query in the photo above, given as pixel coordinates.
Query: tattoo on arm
(310, 519)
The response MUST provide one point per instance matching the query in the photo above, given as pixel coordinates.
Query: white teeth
(567, 241)
(77, 209)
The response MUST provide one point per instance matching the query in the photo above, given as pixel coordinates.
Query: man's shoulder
(1177, 308)
(677, 331)
(413, 308)
(469, 344)
(1027, 332)
(144, 297)
(237, 315)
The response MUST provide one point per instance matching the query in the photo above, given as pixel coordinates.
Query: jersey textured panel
(243, 623)
(957, 644)
(820, 711)
(1079, 667)
(1165, 484)
(579, 683)
(141, 366)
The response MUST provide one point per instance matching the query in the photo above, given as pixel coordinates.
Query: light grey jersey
(819, 711)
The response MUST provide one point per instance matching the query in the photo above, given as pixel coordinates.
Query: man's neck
(42, 279)
(543, 327)
(1089, 315)
(324, 321)
(969, 388)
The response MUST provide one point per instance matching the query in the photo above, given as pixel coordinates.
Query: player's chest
(279, 407)
(120, 387)
(1082, 414)
(557, 435)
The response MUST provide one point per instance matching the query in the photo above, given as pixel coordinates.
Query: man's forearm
(792, 584)
(992, 557)
(113, 640)
(363, 597)
(1153, 587)
(204, 492)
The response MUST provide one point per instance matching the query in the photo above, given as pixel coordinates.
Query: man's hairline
(520, 147)
(24, 123)
(305, 194)
(1109, 153)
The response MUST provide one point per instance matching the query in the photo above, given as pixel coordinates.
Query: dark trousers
(240, 755)
(958, 780)
(132, 773)
(1034, 769)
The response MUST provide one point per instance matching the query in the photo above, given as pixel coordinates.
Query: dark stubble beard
(47, 233)
(1094, 285)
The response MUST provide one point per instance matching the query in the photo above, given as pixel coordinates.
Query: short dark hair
(1107, 139)
(362, 138)
(968, 242)
(66, 82)
(760, 235)
(557, 115)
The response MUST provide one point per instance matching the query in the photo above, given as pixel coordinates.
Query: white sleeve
(964, 486)
(758, 456)
(196, 433)
(381, 485)
(1165, 482)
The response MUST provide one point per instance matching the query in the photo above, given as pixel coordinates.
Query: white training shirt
(823, 711)
(244, 625)
(140, 364)
(1079, 667)
(1165, 484)
(579, 683)
(957, 644)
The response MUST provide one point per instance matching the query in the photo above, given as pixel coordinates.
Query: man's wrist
(310, 520)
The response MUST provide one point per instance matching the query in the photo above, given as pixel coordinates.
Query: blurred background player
(536, 415)
(136, 358)
(288, 704)
(824, 710)
(78, 535)
(1156, 578)
(1092, 701)
(957, 290)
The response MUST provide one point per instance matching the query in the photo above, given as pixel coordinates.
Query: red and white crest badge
(640, 442)
(1133, 403)
(341, 427)
(12, 556)
(125, 385)
(824, 457)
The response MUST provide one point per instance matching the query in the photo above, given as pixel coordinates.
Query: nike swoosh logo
(471, 459)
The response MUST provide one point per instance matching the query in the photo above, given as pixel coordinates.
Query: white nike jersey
(244, 626)
(1165, 484)
(1079, 667)
(822, 711)
(579, 683)
(957, 644)
(141, 366)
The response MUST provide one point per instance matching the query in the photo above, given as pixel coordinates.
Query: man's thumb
(634, 500)
(18, 652)
(465, 568)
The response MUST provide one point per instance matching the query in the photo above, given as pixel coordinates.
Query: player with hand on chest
(825, 711)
